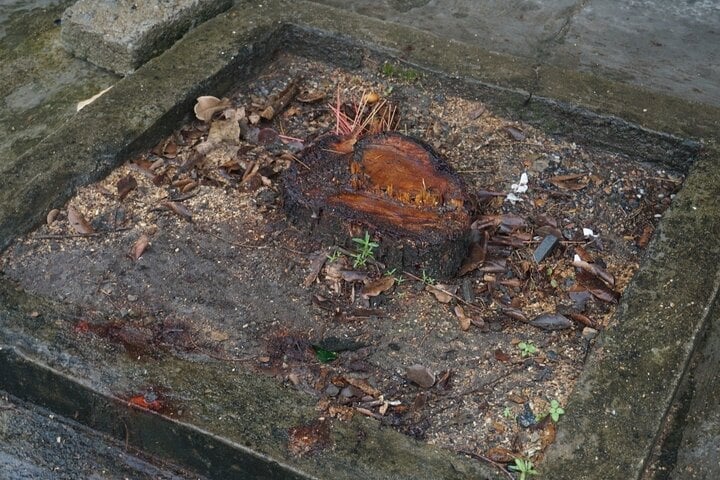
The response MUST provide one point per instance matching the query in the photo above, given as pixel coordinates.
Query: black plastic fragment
(546, 246)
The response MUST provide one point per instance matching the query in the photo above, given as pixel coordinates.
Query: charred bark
(394, 186)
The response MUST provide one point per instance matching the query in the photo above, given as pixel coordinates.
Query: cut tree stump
(395, 187)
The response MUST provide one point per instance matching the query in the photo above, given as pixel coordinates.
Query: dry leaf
(443, 293)
(364, 386)
(207, 106)
(596, 287)
(475, 258)
(139, 247)
(378, 286)
(354, 276)
(78, 222)
(125, 185)
(477, 113)
(644, 238)
(90, 100)
(501, 455)
(551, 321)
(464, 319)
(604, 275)
(515, 314)
(501, 356)
(310, 97)
(576, 181)
(547, 435)
(315, 266)
(583, 320)
(268, 113)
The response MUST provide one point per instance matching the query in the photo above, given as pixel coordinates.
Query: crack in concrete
(546, 45)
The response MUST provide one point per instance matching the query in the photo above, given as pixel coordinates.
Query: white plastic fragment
(512, 198)
(588, 232)
(520, 187)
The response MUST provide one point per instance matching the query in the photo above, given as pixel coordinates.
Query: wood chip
(178, 209)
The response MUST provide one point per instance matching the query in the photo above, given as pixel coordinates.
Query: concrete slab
(37, 444)
(665, 46)
(122, 35)
(516, 27)
(690, 446)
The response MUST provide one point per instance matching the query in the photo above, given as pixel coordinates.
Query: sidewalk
(662, 45)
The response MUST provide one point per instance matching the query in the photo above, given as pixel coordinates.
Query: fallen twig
(80, 235)
(282, 100)
(483, 458)
(459, 299)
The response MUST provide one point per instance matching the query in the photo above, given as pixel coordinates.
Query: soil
(187, 251)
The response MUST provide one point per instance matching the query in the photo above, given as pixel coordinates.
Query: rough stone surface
(121, 35)
(698, 455)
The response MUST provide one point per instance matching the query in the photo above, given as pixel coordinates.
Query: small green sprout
(334, 256)
(556, 410)
(527, 348)
(325, 356)
(364, 251)
(427, 279)
(507, 412)
(399, 279)
(525, 467)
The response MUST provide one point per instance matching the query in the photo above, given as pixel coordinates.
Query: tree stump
(395, 187)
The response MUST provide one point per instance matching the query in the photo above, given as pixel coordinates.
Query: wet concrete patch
(40, 82)
(693, 217)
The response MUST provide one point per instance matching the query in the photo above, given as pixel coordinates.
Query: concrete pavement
(666, 46)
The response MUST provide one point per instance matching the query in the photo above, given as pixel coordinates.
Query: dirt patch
(187, 251)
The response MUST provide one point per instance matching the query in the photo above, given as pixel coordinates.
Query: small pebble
(132, 298)
(331, 390)
(348, 392)
(420, 375)
(589, 333)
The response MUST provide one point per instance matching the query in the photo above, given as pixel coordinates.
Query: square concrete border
(620, 403)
